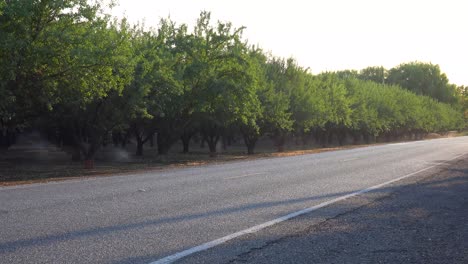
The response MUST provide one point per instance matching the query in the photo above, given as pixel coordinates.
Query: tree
(35, 35)
(89, 102)
(217, 78)
(251, 125)
(275, 98)
(80, 77)
(376, 74)
(463, 92)
(425, 79)
(337, 111)
(157, 79)
(308, 106)
(347, 74)
(64, 60)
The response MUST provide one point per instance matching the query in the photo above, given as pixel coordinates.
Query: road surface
(146, 217)
(422, 219)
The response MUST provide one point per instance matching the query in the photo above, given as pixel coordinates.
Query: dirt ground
(33, 160)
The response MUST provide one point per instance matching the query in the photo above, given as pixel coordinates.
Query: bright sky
(335, 34)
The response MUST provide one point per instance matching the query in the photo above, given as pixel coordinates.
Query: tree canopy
(84, 79)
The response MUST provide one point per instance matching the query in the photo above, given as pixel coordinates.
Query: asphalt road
(145, 217)
(422, 219)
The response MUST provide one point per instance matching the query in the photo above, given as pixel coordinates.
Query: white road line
(254, 229)
(350, 159)
(245, 175)
(400, 144)
(437, 163)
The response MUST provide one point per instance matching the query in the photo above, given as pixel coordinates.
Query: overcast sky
(335, 34)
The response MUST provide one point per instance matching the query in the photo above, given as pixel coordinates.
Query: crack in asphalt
(243, 257)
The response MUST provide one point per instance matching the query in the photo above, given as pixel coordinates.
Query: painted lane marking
(401, 144)
(350, 159)
(244, 175)
(437, 163)
(254, 229)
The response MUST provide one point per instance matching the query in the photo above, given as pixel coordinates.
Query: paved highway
(145, 217)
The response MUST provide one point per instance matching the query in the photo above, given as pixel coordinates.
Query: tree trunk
(316, 136)
(116, 138)
(305, 139)
(3, 148)
(4, 142)
(250, 143)
(88, 164)
(185, 138)
(280, 140)
(330, 138)
(297, 139)
(139, 150)
(212, 142)
(125, 139)
(76, 153)
(324, 139)
(89, 153)
(341, 135)
(366, 138)
(185, 145)
(212, 147)
(280, 148)
(164, 142)
(355, 136)
(7, 139)
(163, 148)
(224, 143)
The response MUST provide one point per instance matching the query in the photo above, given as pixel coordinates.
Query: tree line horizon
(83, 79)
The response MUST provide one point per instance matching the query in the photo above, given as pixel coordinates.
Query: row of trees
(420, 78)
(85, 79)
